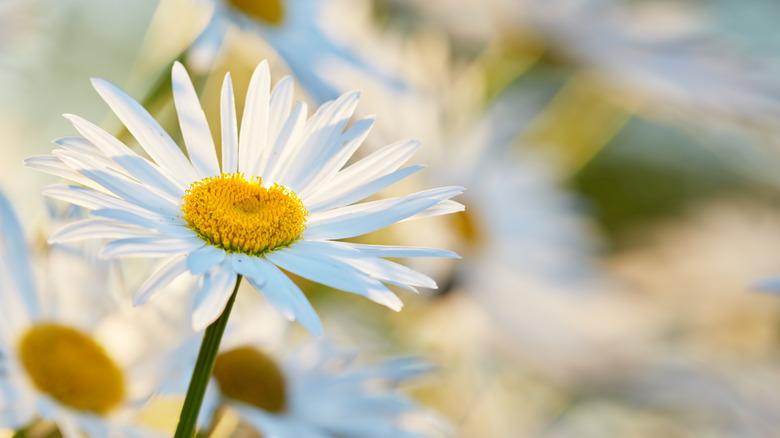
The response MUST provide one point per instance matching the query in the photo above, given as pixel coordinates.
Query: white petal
(304, 312)
(132, 192)
(390, 272)
(377, 268)
(250, 268)
(193, 124)
(18, 294)
(253, 137)
(137, 166)
(82, 196)
(447, 206)
(322, 144)
(168, 226)
(204, 258)
(398, 251)
(364, 218)
(54, 166)
(334, 273)
(379, 163)
(165, 274)
(155, 141)
(95, 228)
(280, 106)
(351, 139)
(286, 143)
(213, 295)
(358, 190)
(149, 246)
(229, 127)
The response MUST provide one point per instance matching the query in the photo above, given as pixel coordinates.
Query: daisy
(313, 390)
(302, 32)
(281, 199)
(69, 352)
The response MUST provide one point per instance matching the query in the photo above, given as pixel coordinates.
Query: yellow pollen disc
(237, 215)
(71, 368)
(250, 376)
(268, 11)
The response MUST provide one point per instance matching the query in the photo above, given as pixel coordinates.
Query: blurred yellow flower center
(247, 375)
(237, 215)
(71, 368)
(268, 11)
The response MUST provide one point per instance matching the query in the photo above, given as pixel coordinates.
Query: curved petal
(155, 141)
(254, 123)
(334, 273)
(193, 123)
(165, 274)
(204, 258)
(229, 126)
(213, 295)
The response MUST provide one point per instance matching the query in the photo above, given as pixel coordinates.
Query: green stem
(203, 368)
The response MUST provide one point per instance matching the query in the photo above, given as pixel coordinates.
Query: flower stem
(203, 368)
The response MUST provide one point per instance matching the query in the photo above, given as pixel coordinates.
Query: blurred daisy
(313, 391)
(280, 199)
(302, 32)
(69, 353)
(660, 58)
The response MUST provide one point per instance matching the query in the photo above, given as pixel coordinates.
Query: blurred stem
(203, 367)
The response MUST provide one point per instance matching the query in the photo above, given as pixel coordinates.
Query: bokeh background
(621, 159)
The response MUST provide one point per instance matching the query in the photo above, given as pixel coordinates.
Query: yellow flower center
(72, 368)
(250, 376)
(268, 11)
(237, 215)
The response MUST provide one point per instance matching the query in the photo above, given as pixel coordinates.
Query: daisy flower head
(302, 32)
(70, 353)
(281, 199)
(311, 390)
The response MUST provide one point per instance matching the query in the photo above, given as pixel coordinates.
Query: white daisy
(281, 199)
(314, 390)
(69, 353)
(302, 32)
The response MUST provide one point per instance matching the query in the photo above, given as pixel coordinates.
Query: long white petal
(334, 273)
(155, 141)
(447, 206)
(132, 192)
(54, 166)
(213, 295)
(351, 139)
(322, 143)
(193, 123)
(95, 228)
(165, 274)
(204, 258)
(140, 168)
(17, 285)
(379, 163)
(229, 127)
(358, 190)
(165, 226)
(148, 246)
(285, 143)
(364, 218)
(398, 251)
(304, 312)
(253, 137)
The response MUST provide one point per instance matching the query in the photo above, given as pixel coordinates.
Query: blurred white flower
(659, 57)
(314, 390)
(71, 349)
(312, 36)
